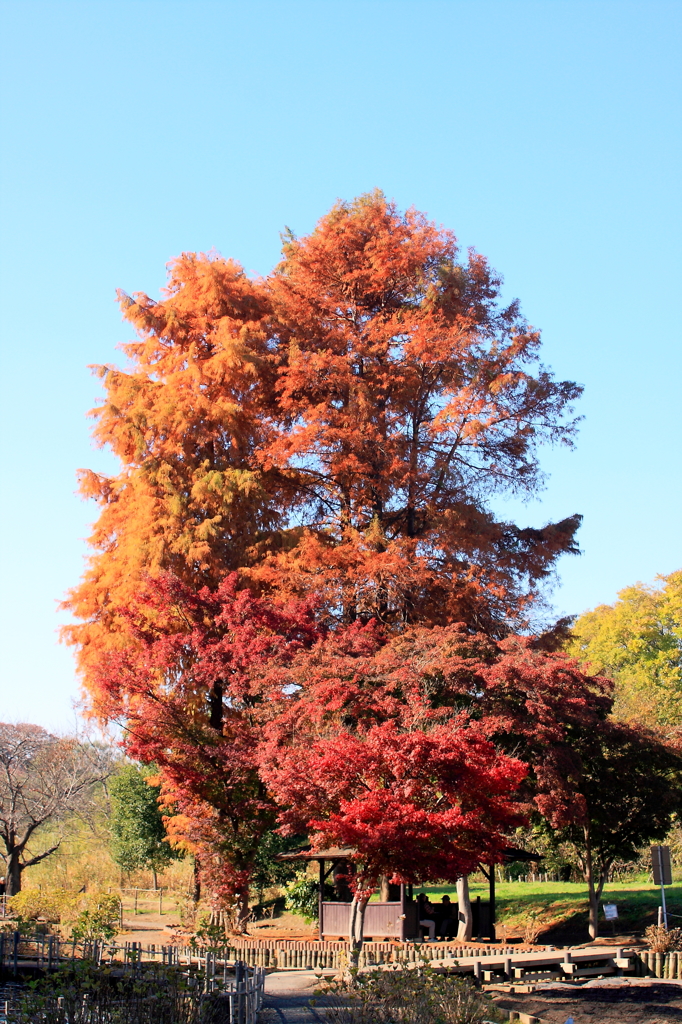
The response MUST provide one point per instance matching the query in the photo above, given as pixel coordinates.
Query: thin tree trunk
(357, 928)
(464, 912)
(156, 881)
(384, 890)
(242, 915)
(591, 889)
(196, 881)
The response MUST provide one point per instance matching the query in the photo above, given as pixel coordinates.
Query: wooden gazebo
(395, 918)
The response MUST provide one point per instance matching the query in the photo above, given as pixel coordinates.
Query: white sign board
(610, 911)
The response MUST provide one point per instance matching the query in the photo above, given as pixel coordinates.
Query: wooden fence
(213, 969)
(216, 966)
(658, 965)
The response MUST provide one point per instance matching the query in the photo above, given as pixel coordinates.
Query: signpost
(611, 914)
(663, 874)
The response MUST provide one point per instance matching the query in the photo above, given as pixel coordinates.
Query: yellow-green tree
(637, 641)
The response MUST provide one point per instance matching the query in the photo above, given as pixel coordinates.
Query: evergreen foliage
(137, 828)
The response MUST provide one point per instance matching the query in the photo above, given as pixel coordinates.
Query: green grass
(565, 903)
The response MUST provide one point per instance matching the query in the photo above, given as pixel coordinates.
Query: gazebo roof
(334, 853)
(510, 854)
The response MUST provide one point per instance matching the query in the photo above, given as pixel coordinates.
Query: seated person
(446, 918)
(342, 876)
(426, 915)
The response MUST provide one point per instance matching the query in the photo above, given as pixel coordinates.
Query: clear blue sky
(546, 134)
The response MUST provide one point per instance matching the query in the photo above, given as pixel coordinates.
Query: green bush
(99, 918)
(301, 897)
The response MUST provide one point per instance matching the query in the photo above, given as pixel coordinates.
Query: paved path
(288, 995)
(290, 1010)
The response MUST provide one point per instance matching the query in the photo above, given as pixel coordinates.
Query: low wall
(395, 920)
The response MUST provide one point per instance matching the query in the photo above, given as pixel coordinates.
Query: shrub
(92, 916)
(84, 994)
(532, 926)
(301, 897)
(99, 918)
(53, 905)
(662, 940)
(407, 996)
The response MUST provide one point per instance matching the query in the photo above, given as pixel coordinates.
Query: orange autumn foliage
(335, 433)
(184, 421)
(335, 430)
(406, 397)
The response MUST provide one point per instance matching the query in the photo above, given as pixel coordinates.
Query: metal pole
(320, 901)
(660, 868)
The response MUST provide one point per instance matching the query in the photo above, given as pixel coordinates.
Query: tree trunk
(13, 879)
(594, 913)
(196, 882)
(242, 915)
(357, 927)
(215, 703)
(464, 913)
(156, 881)
(384, 889)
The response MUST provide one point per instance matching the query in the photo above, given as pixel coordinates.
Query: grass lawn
(559, 906)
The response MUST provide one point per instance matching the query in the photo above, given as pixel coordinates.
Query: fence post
(239, 977)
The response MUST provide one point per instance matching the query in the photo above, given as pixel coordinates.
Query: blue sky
(546, 134)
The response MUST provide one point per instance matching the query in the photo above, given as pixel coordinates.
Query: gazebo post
(320, 901)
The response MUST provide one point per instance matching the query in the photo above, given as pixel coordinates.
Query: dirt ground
(162, 930)
(625, 1001)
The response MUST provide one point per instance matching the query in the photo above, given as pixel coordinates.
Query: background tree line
(64, 797)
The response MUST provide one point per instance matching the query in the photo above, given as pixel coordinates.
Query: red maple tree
(190, 689)
(421, 750)
(413, 804)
